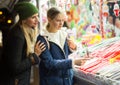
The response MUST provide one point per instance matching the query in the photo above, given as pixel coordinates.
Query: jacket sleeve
(15, 52)
(51, 63)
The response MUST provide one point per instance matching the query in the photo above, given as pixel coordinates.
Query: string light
(1, 12)
(9, 21)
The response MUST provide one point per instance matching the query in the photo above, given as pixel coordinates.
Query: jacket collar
(59, 37)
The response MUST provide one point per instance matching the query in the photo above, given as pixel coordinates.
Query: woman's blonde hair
(30, 36)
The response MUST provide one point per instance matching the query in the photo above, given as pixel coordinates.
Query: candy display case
(102, 66)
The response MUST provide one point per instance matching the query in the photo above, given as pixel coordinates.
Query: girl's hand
(72, 45)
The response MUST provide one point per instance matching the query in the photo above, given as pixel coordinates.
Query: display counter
(78, 80)
(82, 78)
(103, 65)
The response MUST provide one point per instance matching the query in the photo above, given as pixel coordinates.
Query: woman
(21, 50)
(55, 67)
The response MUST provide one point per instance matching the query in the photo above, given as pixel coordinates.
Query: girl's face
(57, 22)
(32, 21)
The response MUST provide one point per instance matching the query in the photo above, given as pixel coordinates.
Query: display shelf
(79, 80)
(87, 78)
(103, 67)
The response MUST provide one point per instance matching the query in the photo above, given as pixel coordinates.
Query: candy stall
(94, 27)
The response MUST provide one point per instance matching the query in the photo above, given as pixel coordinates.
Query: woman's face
(57, 22)
(32, 21)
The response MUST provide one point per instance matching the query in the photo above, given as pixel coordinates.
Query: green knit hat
(25, 10)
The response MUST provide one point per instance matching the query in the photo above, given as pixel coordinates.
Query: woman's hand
(39, 48)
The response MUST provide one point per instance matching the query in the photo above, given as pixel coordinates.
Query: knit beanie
(25, 9)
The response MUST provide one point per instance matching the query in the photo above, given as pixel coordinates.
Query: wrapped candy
(116, 9)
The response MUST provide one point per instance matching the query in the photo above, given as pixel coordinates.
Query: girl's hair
(52, 13)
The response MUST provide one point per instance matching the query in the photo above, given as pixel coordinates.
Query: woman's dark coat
(16, 65)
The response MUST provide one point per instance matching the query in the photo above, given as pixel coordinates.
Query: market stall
(95, 29)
